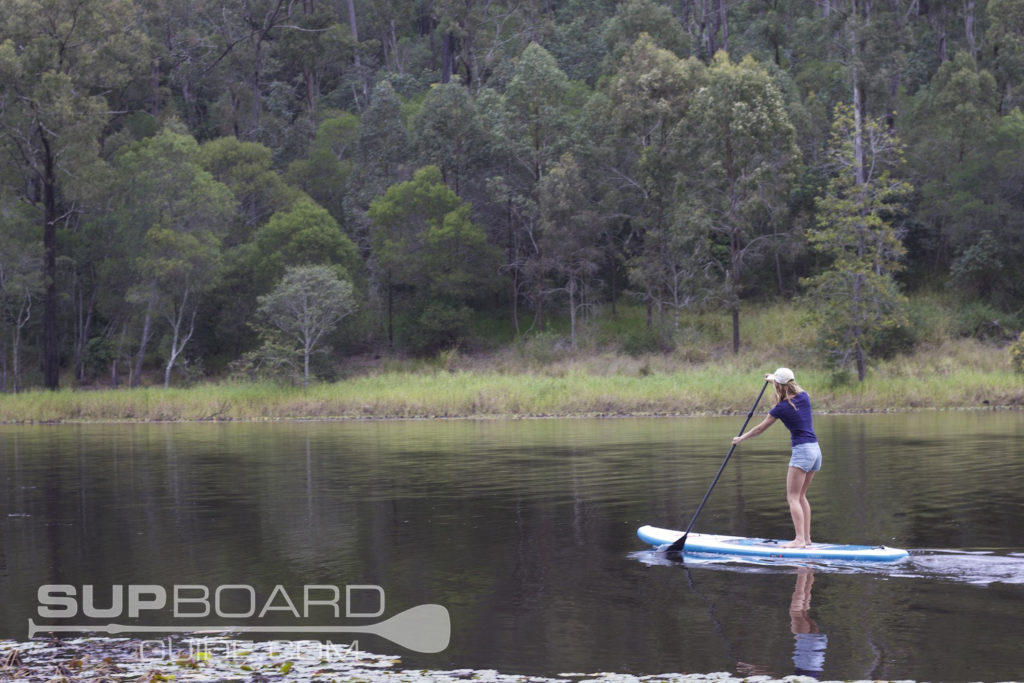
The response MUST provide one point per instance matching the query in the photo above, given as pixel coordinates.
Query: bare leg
(797, 483)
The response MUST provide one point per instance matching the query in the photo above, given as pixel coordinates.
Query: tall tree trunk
(353, 26)
(154, 87)
(736, 328)
(179, 338)
(390, 311)
(254, 134)
(447, 58)
(83, 324)
(16, 358)
(136, 377)
(51, 349)
(858, 134)
(969, 27)
(572, 312)
(723, 25)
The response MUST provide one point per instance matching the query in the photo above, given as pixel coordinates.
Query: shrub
(1017, 354)
(641, 340)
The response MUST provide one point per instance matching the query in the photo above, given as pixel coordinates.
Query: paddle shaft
(678, 545)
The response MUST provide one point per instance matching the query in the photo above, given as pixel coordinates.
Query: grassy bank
(540, 376)
(964, 375)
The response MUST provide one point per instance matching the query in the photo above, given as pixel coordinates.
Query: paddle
(424, 628)
(677, 547)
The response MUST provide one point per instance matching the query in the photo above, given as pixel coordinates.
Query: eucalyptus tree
(447, 133)
(1006, 49)
(570, 233)
(948, 127)
(57, 61)
(326, 171)
(651, 94)
(433, 262)
(382, 146)
(737, 153)
(535, 128)
(636, 18)
(989, 251)
(21, 285)
(298, 233)
(248, 170)
(856, 298)
(170, 218)
(306, 305)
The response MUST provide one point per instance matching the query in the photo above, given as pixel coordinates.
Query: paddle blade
(677, 545)
(426, 628)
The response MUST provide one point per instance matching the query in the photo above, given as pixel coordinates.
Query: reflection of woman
(809, 648)
(793, 407)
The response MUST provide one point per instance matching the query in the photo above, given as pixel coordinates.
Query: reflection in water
(809, 651)
(809, 644)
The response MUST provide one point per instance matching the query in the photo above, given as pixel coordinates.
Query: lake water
(525, 532)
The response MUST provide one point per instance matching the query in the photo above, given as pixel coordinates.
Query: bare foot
(795, 544)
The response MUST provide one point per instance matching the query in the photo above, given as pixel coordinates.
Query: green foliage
(428, 250)
(449, 134)
(247, 169)
(306, 305)
(1017, 354)
(588, 151)
(637, 18)
(301, 234)
(641, 340)
(440, 325)
(737, 148)
(326, 171)
(856, 304)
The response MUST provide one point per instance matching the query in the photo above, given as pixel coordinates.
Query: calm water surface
(525, 531)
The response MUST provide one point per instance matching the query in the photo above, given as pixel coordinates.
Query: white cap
(782, 376)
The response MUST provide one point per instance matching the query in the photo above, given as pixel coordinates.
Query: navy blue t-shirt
(798, 420)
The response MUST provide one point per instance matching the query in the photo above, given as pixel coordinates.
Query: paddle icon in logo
(424, 628)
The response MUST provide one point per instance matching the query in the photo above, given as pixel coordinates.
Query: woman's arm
(756, 431)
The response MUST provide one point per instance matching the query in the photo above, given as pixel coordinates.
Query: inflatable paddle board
(769, 549)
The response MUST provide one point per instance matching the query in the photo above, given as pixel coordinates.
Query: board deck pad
(769, 548)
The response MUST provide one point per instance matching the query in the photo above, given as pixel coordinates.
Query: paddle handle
(678, 545)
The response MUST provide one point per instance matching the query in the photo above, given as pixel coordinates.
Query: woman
(793, 407)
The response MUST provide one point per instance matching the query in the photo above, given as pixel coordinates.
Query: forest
(264, 188)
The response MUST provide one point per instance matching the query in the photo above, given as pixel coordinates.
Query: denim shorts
(806, 456)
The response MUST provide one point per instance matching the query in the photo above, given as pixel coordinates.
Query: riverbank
(952, 376)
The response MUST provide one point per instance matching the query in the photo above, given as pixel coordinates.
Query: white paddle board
(768, 548)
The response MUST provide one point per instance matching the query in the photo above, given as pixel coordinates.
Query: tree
(651, 94)
(426, 249)
(447, 133)
(297, 234)
(303, 233)
(247, 169)
(325, 172)
(535, 130)
(570, 230)
(637, 18)
(737, 153)
(56, 61)
(857, 299)
(170, 218)
(1006, 19)
(21, 285)
(948, 132)
(308, 303)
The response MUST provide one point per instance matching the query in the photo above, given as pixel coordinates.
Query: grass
(541, 376)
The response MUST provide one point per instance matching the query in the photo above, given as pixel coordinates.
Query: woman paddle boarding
(793, 407)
